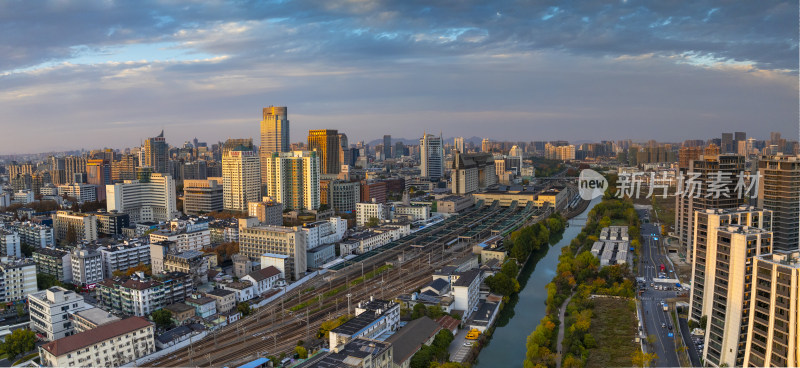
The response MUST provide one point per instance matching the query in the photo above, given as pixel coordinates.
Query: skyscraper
(458, 143)
(431, 156)
(98, 172)
(703, 171)
(326, 143)
(779, 191)
(387, 146)
(274, 130)
(727, 143)
(241, 179)
(155, 153)
(486, 145)
(274, 135)
(293, 179)
(344, 150)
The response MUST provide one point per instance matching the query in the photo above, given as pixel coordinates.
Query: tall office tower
(727, 143)
(98, 172)
(472, 172)
(241, 179)
(234, 143)
(293, 179)
(387, 146)
(738, 137)
(774, 137)
(275, 130)
(399, 149)
(722, 278)
(431, 157)
(458, 143)
(779, 191)
(772, 338)
(156, 153)
(344, 150)
(149, 198)
(486, 145)
(74, 165)
(124, 168)
(702, 195)
(326, 143)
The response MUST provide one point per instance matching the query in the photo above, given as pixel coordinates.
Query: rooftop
(467, 278)
(408, 339)
(264, 273)
(179, 307)
(88, 338)
(220, 292)
(97, 316)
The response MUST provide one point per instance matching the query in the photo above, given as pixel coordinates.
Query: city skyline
(576, 72)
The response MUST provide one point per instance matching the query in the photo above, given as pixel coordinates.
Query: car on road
(663, 325)
(468, 344)
(670, 327)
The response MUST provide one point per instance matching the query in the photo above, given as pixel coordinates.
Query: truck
(662, 268)
(666, 307)
(473, 334)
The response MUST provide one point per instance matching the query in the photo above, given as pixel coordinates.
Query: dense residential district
(401, 253)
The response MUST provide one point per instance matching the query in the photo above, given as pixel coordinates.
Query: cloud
(594, 69)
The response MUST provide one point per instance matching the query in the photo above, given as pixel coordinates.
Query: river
(507, 345)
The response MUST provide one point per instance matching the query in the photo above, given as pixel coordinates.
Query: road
(655, 317)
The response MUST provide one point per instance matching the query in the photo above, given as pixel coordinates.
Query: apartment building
(324, 232)
(55, 262)
(10, 244)
(87, 266)
(202, 196)
(366, 211)
(83, 225)
(185, 239)
(139, 296)
(112, 223)
(81, 192)
(17, 279)
(372, 318)
(111, 345)
(726, 291)
(50, 311)
(267, 212)
(241, 176)
(120, 257)
(91, 318)
(772, 339)
(779, 191)
(34, 235)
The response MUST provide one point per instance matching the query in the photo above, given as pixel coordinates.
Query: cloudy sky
(90, 74)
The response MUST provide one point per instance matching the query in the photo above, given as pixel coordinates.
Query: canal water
(507, 345)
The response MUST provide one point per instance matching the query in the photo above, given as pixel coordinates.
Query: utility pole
(348, 302)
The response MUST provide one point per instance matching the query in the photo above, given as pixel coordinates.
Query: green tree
(372, 222)
(244, 309)
(162, 318)
(45, 281)
(72, 235)
(18, 342)
(302, 353)
(419, 311)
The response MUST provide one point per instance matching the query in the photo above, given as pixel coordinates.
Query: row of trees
(579, 271)
(521, 243)
(505, 282)
(435, 352)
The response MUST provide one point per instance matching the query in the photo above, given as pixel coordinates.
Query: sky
(94, 74)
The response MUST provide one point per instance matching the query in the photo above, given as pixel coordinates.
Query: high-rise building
(387, 146)
(344, 150)
(241, 178)
(98, 173)
(202, 196)
(124, 169)
(486, 145)
(472, 172)
(458, 144)
(698, 197)
(87, 266)
(234, 143)
(72, 166)
(779, 191)
(399, 149)
(150, 198)
(274, 135)
(326, 143)
(267, 212)
(156, 153)
(726, 243)
(772, 339)
(293, 179)
(290, 242)
(431, 157)
(727, 143)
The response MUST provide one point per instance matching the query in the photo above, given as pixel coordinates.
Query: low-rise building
(264, 279)
(204, 306)
(140, 296)
(33, 234)
(191, 262)
(413, 212)
(54, 262)
(112, 223)
(196, 239)
(110, 345)
(466, 290)
(367, 211)
(50, 310)
(358, 353)
(225, 300)
(329, 231)
(267, 212)
(10, 244)
(409, 340)
(372, 319)
(320, 255)
(366, 241)
(244, 290)
(181, 312)
(81, 192)
(289, 241)
(454, 204)
(91, 318)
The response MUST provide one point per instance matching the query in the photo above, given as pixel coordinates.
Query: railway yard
(399, 267)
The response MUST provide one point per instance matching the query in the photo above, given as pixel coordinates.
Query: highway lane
(657, 321)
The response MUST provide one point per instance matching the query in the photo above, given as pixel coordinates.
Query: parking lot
(458, 351)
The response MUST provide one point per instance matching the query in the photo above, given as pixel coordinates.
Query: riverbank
(507, 345)
(579, 271)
